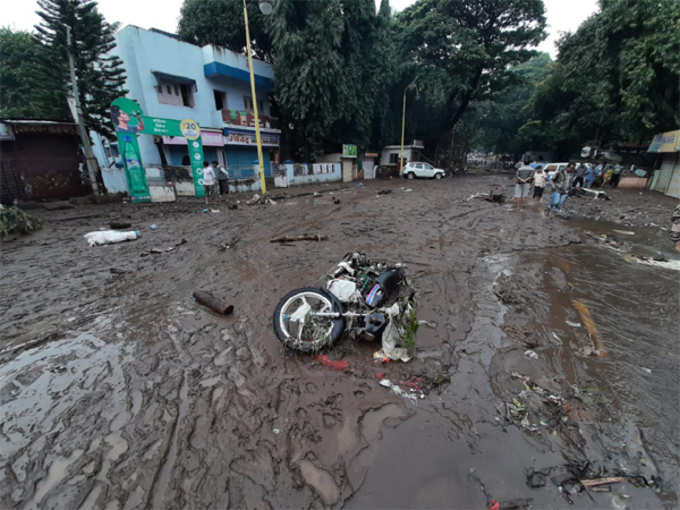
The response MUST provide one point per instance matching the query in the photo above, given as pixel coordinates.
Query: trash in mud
(158, 251)
(531, 354)
(119, 225)
(303, 237)
(573, 324)
(624, 232)
(154, 226)
(336, 200)
(603, 481)
(214, 211)
(535, 407)
(412, 394)
(498, 198)
(229, 244)
(215, 304)
(15, 221)
(232, 207)
(384, 192)
(363, 299)
(334, 365)
(260, 200)
(102, 237)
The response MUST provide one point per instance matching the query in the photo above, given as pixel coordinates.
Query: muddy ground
(118, 391)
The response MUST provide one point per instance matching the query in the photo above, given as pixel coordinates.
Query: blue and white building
(174, 79)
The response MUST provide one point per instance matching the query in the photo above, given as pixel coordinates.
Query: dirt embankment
(120, 390)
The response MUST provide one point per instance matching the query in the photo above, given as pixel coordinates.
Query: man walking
(561, 182)
(580, 172)
(222, 178)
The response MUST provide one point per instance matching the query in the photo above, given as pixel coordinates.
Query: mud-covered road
(119, 391)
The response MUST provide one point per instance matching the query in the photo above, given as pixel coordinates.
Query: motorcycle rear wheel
(296, 326)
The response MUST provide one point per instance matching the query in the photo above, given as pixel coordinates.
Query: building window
(220, 99)
(394, 158)
(248, 103)
(177, 94)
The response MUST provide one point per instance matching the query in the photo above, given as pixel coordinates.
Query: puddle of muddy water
(426, 461)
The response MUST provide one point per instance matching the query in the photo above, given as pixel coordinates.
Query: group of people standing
(214, 172)
(561, 181)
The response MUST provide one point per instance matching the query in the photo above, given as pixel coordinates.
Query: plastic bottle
(110, 236)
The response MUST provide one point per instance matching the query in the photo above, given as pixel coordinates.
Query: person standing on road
(222, 178)
(588, 176)
(579, 176)
(523, 179)
(208, 180)
(675, 227)
(616, 175)
(539, 183)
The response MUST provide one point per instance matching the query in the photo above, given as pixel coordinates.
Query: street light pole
(255, 112)
(403, 127)
(90, 160)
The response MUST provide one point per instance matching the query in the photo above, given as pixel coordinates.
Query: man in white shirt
(208, 180)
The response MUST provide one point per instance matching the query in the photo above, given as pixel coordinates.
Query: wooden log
(603, 481)
(305, 237)
(207, 299)
(587, 320)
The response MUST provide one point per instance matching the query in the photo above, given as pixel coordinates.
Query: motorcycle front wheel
(296, 324)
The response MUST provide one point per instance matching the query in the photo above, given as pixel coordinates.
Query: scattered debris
(647, 370)
(214, 211)
(412, 395)
(531, 354)
(407, 190)
(115, 270)
(207, 299)
(260, 200)
(429, 324)
(336, 200)
(498, 198)
(573, 324)
(594, 333)
(304, 237)
(154, 226)
(603, 481)
(157, 251)
(101, 237)
(333, 365)
(384, 192)
(229, 244)
(233, 206)
(15, 221)
(119, 225)
(624, 232)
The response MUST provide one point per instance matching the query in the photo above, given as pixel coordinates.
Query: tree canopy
(26, 89)
(100, 75)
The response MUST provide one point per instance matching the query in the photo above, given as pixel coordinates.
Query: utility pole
(90, 160)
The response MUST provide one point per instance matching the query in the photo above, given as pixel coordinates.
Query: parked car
(415, 169)
(551, 168)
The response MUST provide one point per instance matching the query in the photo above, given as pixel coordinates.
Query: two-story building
(174, 79)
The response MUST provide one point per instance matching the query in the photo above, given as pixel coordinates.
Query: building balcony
(247, 119)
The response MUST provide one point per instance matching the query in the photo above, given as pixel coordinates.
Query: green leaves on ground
(15, 221)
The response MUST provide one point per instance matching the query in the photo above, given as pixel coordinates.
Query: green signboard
(129, 122)
(349, 151)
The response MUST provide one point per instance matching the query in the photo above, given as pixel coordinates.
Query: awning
(174, 78)
(220, 70)
(666, 142)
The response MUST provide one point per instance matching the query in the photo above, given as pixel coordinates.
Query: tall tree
(220, 22)
(617, 78)
(26, 90)
(324, 63)
(100, 75)
(460, 51)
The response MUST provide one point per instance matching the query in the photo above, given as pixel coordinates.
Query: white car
(417, 169)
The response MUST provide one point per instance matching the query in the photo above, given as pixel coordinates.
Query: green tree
(500, 118)
(100, 75)
(324, 62)
(461, 51)
(220, 22)
(617, 78)
(26, 90)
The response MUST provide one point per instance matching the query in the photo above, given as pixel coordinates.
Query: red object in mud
(334, 365)
(379, 376)
(495, 505)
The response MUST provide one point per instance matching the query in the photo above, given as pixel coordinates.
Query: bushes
(15, 221)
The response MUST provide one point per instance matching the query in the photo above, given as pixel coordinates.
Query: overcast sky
(563, 15)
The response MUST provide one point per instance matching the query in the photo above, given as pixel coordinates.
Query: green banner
(129, 123)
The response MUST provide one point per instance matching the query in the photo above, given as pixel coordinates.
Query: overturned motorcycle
(370, 300)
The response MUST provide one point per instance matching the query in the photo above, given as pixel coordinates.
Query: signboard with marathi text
(666, 142)
(349, 151)
(129, 122)
(247, 137)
